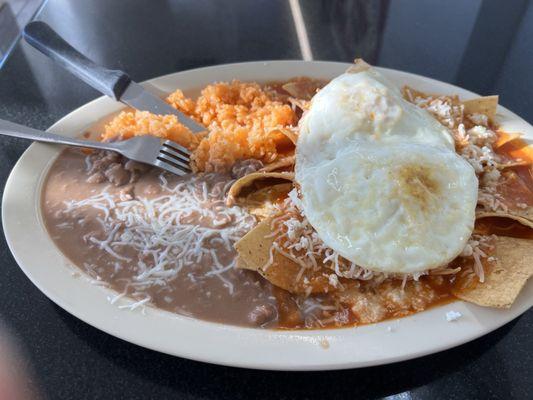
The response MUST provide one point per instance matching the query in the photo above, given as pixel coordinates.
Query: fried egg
(380, 180)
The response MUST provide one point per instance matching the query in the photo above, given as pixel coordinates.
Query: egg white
(364, 106)
(379, 178)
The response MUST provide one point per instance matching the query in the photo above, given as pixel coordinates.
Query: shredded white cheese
(296, 238)
(452, 316)
(477, 248)
(169, 233)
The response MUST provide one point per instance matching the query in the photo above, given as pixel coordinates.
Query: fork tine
(177, 148)
(167, 167)
(174, 154)
(172, 165)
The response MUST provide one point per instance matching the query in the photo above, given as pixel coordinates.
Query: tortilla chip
(269, 194)
(249, 179)
(411, 94)
(261, 202)
(515, 194)
(254, 251)
(517, 148)
(505, 278)
(303, 105)
(241, 264)
(504, 138)
(303, 88)
(502, 226)
(284, 162)
(482, 105)
(525, 218)
(450, 119)
(291, 134)
(359, 66)
(512, 164)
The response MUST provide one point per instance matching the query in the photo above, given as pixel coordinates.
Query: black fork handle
(112, 83)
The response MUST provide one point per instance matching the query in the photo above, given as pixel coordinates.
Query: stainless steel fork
(146, 149)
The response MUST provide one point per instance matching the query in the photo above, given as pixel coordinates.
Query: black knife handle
(109, 82)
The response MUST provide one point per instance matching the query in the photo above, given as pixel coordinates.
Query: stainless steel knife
(113, 83)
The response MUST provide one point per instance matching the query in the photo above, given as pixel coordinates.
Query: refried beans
(162, 240)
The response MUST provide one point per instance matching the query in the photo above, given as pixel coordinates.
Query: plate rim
(311, 340)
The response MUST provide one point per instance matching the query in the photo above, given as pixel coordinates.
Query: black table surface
(484, 46)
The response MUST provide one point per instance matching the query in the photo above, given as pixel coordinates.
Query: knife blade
(113, 83)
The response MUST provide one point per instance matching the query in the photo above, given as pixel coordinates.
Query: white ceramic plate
(387, 342)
